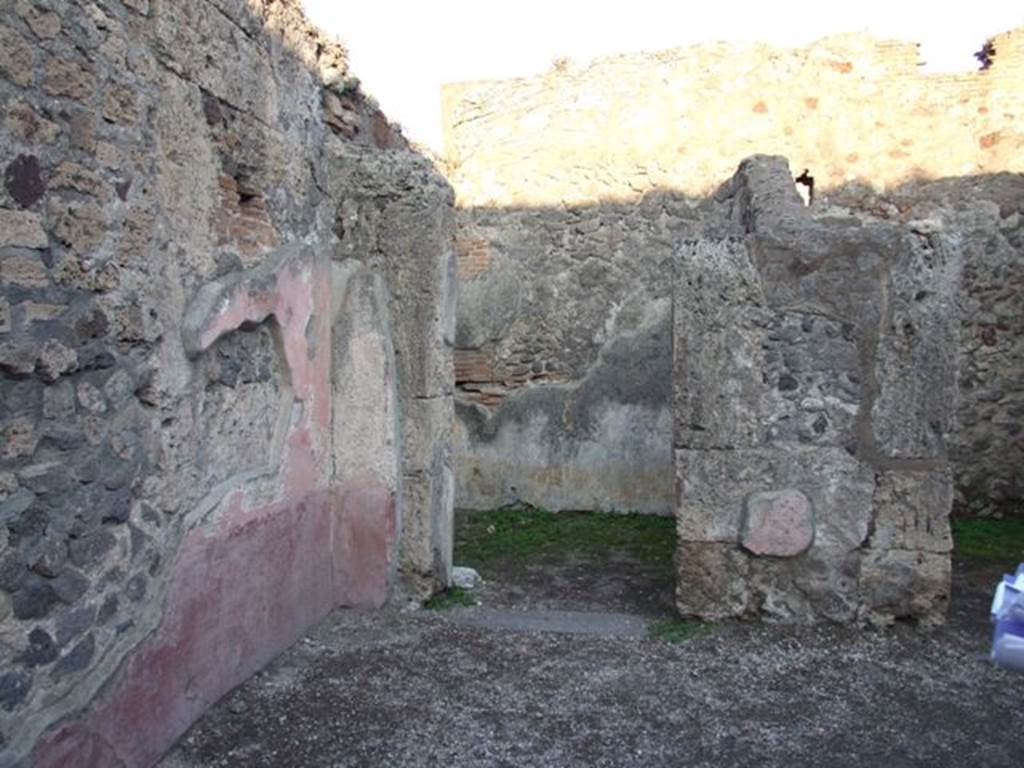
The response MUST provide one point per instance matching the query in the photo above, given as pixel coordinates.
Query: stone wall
(563, 356)
(984, 216)
(226, 316)
(816, 378)
(848, 107)
(574, 188)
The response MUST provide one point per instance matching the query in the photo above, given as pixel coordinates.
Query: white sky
(404, 50)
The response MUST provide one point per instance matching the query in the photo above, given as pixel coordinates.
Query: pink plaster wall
(247, 586)
(240, 594)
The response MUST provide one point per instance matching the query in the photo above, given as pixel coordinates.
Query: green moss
(676, 630)
(987, 539)
(522, 533)
(451, 598)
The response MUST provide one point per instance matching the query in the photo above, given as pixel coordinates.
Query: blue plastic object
(1008, 617)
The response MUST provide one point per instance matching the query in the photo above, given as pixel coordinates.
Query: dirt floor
(424, 689)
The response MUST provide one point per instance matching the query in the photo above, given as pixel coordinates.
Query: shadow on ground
(424, 688)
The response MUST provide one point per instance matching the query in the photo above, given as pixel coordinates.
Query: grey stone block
(719, 321)
(904, 584)
(74, 622)
(77, 659)
(34, 599)
(14, 687)
(711, 580)
(917, 359)
(41, 649)
(912, 511)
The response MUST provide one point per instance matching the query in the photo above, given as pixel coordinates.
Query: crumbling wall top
(849, 107)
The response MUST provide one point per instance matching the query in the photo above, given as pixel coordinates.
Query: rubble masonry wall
(226, 317)
(816, 376)
(574, 189)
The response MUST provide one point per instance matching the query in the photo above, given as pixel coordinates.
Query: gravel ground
(418, 689)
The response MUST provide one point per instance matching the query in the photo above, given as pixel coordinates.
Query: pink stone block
(777, 523)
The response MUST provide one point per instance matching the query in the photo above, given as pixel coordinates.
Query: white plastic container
(1008, 618)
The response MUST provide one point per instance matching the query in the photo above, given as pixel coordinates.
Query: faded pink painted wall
(249, 585)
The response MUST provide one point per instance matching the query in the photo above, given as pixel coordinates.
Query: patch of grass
(675, 630)
(451, 598)
(522, 533)
(988, 539)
